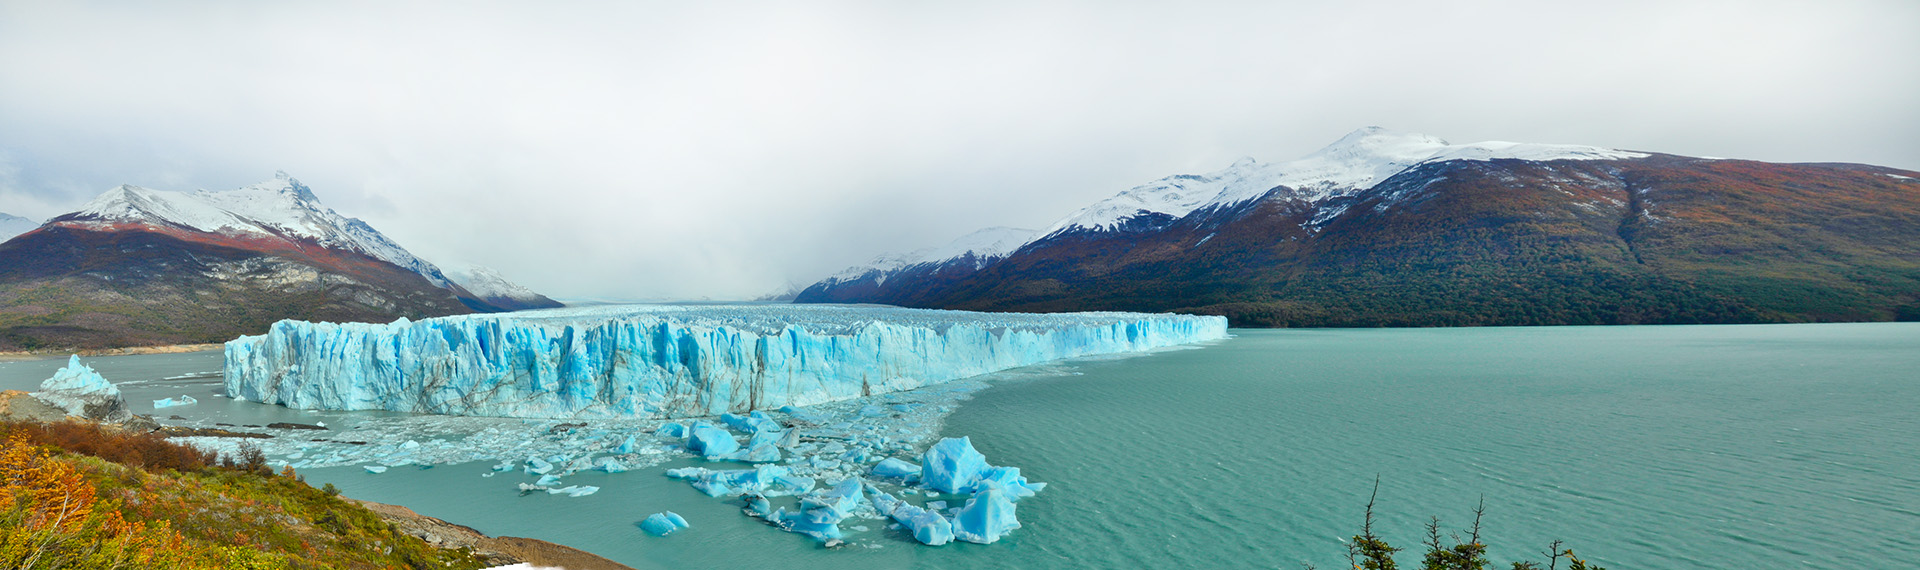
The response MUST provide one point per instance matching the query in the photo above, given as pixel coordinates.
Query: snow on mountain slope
(11, 225)
(1354, 163)
(492, 287)
(985, 245)
(281, 207)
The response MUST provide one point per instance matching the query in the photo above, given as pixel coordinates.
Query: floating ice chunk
(672, 429)
(77, 378)
(574, 490)
(891, 468)
(538, 466)
(753, 422)
(1009, 479)
(821, 511)
(662, 524)
(610, 465)
(626, 447)
(766, 437)
(760, 479)
(375, 468)
(503, 466)
(987, 516)
(789, 438)
(711, 442)
(952, 466)
(840, 499)
(926, 525)
(757, 506)
(809, 523)
(546, 480)
(803, 415)
(183, 400)
(763, 453)
(80, 391)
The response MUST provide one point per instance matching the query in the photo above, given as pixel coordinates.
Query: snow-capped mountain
(1383, 228)
(281, 208)
(140, 266)
(488, 285)
(11, 225)
(981, 247)
(921, 267)
(1356, 162)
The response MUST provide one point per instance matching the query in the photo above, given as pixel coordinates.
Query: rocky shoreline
(121, 351)
(502, 550)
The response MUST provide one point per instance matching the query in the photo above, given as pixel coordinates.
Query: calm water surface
(1643, 447)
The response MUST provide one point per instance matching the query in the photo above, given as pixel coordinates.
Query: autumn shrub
(68, 510)
(150, 451)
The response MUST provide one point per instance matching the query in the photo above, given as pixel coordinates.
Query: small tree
(1368, 551)
(1469, 555)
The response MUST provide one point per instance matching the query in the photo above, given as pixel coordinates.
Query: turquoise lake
(1773, 446)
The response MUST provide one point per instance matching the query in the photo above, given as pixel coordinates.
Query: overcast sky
(721, 150)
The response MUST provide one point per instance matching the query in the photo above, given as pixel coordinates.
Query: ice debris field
(813, 418)
(836, 472)
(665, 361)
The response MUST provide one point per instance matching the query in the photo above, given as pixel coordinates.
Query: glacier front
(665, 361)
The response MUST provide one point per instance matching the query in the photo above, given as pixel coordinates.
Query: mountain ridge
(1554, 234)
(138, 266)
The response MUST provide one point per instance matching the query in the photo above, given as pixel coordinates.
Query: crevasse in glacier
(665, 361)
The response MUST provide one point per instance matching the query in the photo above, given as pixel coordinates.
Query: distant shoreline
(122, 351)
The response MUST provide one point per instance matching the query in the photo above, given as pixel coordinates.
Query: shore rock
(496, 550)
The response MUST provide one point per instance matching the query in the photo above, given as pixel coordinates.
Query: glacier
(666, 361)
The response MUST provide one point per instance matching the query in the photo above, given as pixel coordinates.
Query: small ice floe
(662, 524)
(375, 468)
(574, 490)
(183, 400)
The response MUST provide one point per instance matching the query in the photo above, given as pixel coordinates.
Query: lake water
(1643, 447)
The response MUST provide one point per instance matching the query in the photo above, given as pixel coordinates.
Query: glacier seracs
(665, 361)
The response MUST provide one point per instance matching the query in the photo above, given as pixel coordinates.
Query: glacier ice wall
(665, 361)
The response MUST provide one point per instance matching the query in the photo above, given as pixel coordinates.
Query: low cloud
(667, 150)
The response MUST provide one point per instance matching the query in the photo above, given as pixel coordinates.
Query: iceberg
(665, 361)
(926, 524)
(574, 490)
(712, 442)
(82, 392)
(987, 517)
(183, 400)
(891, 468)
(662, 524)
(952, 466)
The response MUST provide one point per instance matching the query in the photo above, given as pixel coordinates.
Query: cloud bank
(679, 150)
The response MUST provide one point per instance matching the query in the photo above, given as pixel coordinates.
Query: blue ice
(665, 361)
(662, 524)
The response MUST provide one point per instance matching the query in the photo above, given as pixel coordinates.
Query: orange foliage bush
(150, 451)
(52, 517)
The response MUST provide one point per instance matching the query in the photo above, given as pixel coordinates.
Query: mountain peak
(1384, 142)
(281, 208)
